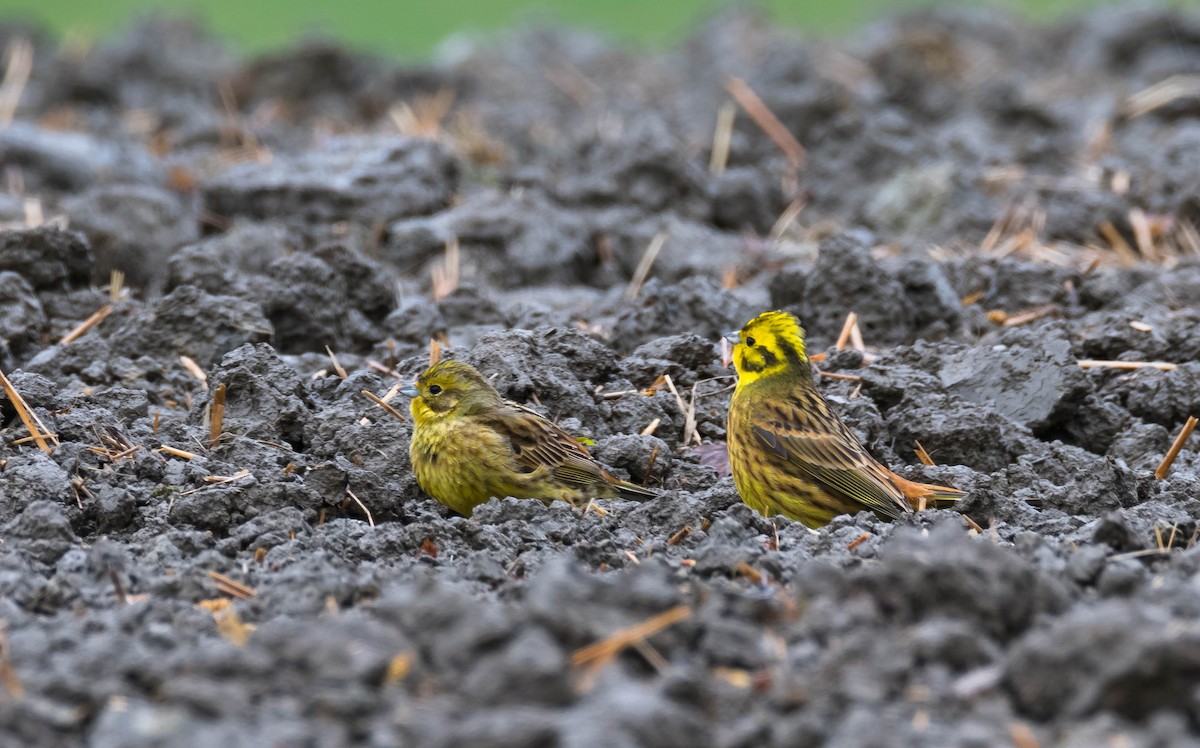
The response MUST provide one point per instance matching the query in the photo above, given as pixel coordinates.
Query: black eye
(435, 389)
(750, 342)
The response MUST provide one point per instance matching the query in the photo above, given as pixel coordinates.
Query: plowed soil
(995, 202)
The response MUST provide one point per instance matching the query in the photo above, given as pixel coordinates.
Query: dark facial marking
(792, 354)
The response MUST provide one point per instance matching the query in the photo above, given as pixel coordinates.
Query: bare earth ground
(995, 202)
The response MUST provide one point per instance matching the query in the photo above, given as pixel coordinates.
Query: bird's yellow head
(449, 389)
(770, 344)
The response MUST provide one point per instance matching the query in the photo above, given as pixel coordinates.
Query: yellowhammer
(469, 445)
(789, 452)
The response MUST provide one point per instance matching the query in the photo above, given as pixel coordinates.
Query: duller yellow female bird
(789, 452)
(469, 444)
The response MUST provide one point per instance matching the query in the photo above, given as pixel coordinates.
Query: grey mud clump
(223, 541)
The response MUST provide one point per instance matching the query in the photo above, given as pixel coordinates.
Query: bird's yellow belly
(452, 466)
(463, 464)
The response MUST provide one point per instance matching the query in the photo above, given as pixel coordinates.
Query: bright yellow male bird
(789, 452)
(469, 444)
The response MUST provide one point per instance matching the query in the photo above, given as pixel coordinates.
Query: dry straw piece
(975, 526)
(381, 403)
(688, 411)
(423, 118)
(726, 353)
(445, 275)
(1091, 363)
(177, 452)
(216, 416)
(922, 455)
(767, 121)
(856, 338)
(231, 587)
(116, 285)
(229, 623)
(1002, 317)
(650, 464)
(87, 324)
(749, 572)
(645, 264)
(8, 673)
(337, 365)
(217, 480)
(1173, 452)
(1161, 94)
(386, 400)
(787, 218)
(1023, 736)
(603, 651)
(231, 626)
(722, 137)
(844, 336)
(835, 375)
(362, 506)
(194, 369)
(859, 541)
(651, 427)
(37, 430)
(17, 68)
(398, 667)
(679, 535)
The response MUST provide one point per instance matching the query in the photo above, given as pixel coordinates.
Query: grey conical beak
(733, 337)
(410, 391)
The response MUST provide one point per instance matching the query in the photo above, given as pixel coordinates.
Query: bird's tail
(633, 492)
(926, 494)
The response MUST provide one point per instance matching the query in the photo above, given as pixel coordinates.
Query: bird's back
(792, 455)
(508, 451)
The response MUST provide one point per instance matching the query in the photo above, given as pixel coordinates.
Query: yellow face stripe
(769, 344)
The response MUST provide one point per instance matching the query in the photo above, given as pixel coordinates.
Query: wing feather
(803, 430)
(537, 443)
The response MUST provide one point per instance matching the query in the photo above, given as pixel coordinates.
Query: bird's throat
(782, 376)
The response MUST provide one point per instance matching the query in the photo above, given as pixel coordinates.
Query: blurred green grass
(414, 28)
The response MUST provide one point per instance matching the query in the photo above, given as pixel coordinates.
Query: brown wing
(538, 443)
(802, 429)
